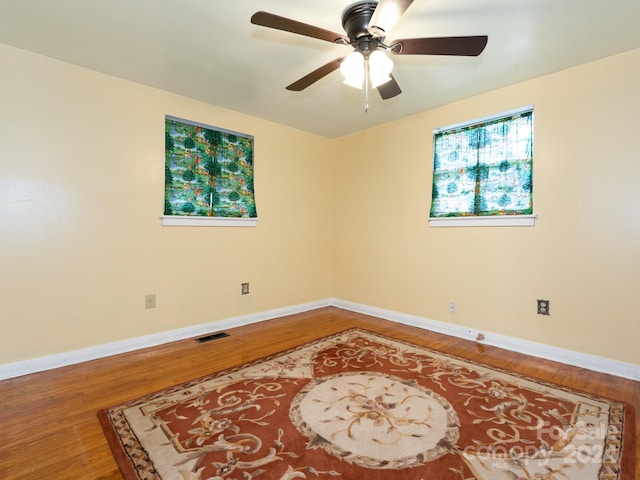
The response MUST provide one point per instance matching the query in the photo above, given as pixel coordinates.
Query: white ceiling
(209, 50)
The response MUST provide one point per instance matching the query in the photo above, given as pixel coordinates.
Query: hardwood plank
(50, 428)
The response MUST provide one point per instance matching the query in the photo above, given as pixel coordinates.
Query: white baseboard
(50, 362)
(583, 360)
(569, 357)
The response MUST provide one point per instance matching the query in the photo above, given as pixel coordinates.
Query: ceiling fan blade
(470, 46)
(386, 15)
(316, 75)
(270, 20)
(389, 89)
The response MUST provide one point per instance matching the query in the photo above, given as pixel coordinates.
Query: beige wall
(81, 191)
(81, 194)
(583, 254)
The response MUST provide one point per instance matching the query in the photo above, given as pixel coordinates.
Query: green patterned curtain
(484, 169)
(208, 171)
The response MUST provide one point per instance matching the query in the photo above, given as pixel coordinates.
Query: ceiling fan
(366, 24)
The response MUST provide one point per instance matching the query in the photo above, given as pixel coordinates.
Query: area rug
(360, 406)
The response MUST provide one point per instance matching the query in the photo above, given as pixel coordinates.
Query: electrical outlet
(543, 307)
(453, 307)
(245, 288)
(150, 300)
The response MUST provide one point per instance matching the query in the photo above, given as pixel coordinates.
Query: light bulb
(352, 69)
(380, 66)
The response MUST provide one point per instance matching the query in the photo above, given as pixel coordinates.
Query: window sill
(178, 221)
(489, 221)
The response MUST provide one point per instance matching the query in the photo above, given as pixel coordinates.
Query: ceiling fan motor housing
(355, 21)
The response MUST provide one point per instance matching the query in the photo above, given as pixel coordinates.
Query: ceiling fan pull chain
(366, 85)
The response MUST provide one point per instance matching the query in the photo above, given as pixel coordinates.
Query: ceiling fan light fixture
(380, 66)
(352, 69)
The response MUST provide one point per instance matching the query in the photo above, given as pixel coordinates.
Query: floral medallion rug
(360, 406)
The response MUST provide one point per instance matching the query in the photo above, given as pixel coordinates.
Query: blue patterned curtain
(484, 169)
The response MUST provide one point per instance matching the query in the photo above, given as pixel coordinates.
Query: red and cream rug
(360, 406)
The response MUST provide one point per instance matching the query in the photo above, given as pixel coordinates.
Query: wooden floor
(48, 424)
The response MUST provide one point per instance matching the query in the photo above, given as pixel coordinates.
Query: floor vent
(213, 336)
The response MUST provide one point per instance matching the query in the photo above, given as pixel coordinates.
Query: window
(483, 170)
(208, 175)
